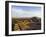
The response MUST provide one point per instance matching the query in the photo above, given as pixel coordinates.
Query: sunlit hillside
(33, 23)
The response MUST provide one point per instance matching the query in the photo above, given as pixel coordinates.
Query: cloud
(23, 13)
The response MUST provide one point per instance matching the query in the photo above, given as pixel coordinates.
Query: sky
(25, 11)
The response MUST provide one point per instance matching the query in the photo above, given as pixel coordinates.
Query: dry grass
(21, 24)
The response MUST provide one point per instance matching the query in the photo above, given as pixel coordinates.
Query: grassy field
(20, 24)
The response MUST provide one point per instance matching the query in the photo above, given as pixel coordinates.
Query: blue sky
(26, 11)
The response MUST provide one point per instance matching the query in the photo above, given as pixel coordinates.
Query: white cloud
(22, 13)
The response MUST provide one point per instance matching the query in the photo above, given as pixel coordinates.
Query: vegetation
(33, 23)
